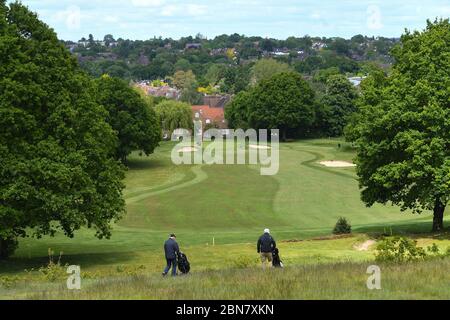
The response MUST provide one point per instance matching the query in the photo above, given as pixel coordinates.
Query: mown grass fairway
(232, 205)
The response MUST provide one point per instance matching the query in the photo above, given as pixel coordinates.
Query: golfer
(266, 245)
(171, 250)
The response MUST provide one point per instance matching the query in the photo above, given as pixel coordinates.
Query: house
(210, 117)
(193, 46)
(356, 81)
(319, 45)
(216, 101)
(161, 91)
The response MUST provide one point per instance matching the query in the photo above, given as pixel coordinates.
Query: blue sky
(143, 19)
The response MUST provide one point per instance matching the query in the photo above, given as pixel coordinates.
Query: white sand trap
(365, 245)
(188, 149)
(254, 146)
(338, 164)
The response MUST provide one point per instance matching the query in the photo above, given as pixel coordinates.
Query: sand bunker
(338, 164)
(254, 146)
(365, 246)
(188, 149)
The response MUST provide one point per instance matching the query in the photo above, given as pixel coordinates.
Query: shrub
(399, 249)
(243, 262)
(54, 270)
(342, 227)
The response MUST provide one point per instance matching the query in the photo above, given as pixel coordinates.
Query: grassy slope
(231, 204)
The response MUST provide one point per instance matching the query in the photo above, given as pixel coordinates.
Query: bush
(7, 247)
(243, 262)
(399, 249)
(342, 227)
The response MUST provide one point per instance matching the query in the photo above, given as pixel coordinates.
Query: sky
(144, 19)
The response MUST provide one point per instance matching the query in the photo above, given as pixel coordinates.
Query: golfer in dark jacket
(171, 250)
(266, 245)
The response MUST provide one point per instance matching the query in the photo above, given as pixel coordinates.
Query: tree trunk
(438, 217)
(284, 137)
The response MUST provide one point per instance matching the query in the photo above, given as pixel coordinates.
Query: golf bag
(183, 263)
(276, 261)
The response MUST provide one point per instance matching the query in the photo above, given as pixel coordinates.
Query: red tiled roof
(207, 113)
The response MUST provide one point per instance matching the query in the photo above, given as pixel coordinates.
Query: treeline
(281, 98)
(64, 136)
(227, 57)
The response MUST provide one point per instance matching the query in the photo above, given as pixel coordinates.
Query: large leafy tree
(57, 166)
(403, 129)
(130, 116)
(266, 68)
(339, 103)
(284, 101)
(236, 112)
(174, 115)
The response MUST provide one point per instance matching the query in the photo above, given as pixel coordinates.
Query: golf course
(218, 212)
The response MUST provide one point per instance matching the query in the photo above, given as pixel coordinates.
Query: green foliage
(236, 112)
(339, 102)
(402, 131)
(54, 270)
(266, 68)
(342, 227)
(174, 115)
(284, 101)
(243, 262)
(57, 169)
(7, 247)
(130, 116)
(399, 249)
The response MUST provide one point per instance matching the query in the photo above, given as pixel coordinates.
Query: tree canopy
(402, 131)
(266, 68)
(285, 101)
(339, 102)
(57, 169)
(130, 115)
(174, 115)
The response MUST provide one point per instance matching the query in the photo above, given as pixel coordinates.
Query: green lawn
(230, 205)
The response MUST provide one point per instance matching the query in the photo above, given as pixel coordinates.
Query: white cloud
(148, 3)
(169, 11)
(315, 16)
(192, 10)
(196, 9)
(71, 17)
(111, 19)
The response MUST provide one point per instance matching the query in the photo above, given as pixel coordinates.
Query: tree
(108, 39)
(236, 112)
(188, 84)
(267, 68)
(340, 103)
(130, 116)
(182, 79)
(174, 115)
(284, 101)
(403, 133)
(57, 171)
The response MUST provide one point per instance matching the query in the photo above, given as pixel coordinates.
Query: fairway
(218, 212)
(224, 204)
(303, 196)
